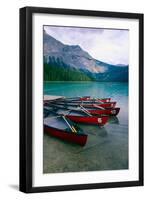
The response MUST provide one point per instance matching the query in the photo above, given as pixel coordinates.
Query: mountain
(72, 58)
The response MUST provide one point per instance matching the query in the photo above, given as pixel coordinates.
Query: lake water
(106, 148)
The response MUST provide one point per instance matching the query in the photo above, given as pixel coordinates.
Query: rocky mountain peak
(75, 57)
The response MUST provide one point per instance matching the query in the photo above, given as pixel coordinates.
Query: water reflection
(113, 120)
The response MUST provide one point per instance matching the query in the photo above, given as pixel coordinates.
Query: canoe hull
(110, 112)
(93, 110)
(76, 138)
(90, 105)
(106, 105)
(105, 100)
(89, 119)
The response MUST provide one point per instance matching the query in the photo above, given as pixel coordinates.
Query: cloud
(108, 45)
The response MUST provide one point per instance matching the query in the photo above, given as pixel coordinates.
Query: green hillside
(56, 72)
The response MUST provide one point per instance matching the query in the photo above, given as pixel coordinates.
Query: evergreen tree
(53, 71)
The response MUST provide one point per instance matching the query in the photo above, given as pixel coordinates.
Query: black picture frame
(26, 114)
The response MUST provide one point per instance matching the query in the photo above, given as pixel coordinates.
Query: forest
(57, 70)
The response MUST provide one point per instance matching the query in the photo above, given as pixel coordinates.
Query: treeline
(59, 71)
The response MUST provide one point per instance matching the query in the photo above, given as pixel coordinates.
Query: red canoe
(107, 111)
(94, 110)
(87, 98)
(80, 116)
(89, 119)
(85, 104)
(65, 130)
(103, 105)
(104, 100)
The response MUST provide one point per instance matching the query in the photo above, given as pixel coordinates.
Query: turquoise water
(95, 89)
(106, 148)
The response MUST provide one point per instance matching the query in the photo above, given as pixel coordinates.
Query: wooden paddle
(71, 127)
(85, 110)
(95, 105)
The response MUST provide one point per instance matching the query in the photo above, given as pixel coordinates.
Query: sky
(107, 45)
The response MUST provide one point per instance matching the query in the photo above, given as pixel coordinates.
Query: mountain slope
(76, 59)
(54, 72)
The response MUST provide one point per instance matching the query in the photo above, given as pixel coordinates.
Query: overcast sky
(108, 45)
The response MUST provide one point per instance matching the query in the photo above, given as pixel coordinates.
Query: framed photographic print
(81, 99)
